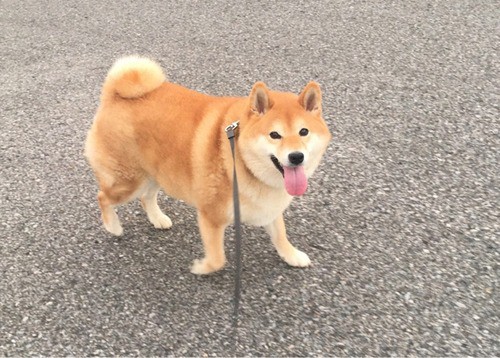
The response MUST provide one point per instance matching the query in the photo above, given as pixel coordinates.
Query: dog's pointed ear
(259, 98)
(310, 98)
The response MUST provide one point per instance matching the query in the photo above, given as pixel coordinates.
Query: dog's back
(144, 130)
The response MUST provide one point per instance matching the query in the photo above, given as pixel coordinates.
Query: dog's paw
(203, 267)
(298, 259)
(161, 222)
(114, 228)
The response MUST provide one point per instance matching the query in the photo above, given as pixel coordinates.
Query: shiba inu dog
(149, 134)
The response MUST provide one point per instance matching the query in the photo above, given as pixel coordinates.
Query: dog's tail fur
(133, 77)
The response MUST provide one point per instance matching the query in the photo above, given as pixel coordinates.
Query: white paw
(114, 227)
(298, 259)
(203, 267)
(161, 222)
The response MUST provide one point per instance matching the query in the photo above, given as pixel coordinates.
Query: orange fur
(150, 134)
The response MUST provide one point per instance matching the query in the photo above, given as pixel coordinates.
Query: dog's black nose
(296, 158)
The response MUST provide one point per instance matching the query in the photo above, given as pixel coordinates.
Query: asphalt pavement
(401, 220)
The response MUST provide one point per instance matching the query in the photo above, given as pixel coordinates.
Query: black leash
(230, 131)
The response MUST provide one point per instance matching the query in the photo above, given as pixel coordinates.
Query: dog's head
(283, 136)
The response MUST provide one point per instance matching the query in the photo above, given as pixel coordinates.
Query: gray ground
(401, 220)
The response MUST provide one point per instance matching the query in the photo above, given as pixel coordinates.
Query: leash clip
(231, 128)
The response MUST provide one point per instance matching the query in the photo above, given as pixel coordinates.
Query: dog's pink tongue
(295, 180)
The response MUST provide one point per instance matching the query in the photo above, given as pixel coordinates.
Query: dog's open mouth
(277, 164)
(295, 177)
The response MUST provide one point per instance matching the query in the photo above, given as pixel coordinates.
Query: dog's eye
(303, 132)
(274, 135)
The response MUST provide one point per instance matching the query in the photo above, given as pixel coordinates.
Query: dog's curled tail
(133, 77)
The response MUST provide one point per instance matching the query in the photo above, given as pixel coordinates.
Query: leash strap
(230, 131)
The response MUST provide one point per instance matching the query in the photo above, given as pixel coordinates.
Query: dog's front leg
(285, 249)
(212, 235)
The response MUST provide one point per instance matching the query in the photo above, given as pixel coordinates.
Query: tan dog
(150, 134)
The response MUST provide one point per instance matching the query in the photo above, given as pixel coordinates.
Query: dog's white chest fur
(261, 209)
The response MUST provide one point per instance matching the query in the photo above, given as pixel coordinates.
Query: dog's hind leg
(109, 218)
(149, 201)
(114, 194)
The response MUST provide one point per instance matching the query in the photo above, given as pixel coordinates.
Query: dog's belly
(176, 189)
